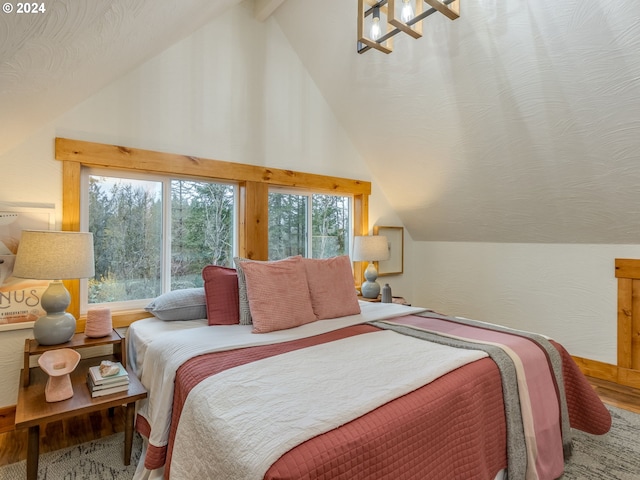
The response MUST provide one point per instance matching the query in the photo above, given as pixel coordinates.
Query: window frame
(309, 220)
(166, 193)
(253, 182)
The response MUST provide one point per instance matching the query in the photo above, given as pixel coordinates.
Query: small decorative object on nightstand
(386, 294)
(99, 322)
(58, 364)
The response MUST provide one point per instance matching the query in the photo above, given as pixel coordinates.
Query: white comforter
(237, 423)
(156, 350)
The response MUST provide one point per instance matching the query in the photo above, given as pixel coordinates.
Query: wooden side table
(378, 299)
(32, 410)
(78, 341)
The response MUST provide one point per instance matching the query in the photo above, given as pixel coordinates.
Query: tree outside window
(293, 215)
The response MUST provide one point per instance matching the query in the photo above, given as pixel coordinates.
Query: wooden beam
(627, 268)
(254, 220)
(263, 9)
(71, 223)
(124, 158)
(625, 317)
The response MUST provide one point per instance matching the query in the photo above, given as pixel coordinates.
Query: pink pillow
(331, 286)
(278, 294)
(221, 295)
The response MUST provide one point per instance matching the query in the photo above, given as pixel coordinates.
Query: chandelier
(400, 16)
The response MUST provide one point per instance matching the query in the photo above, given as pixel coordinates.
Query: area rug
(97, 460)
(614, 456)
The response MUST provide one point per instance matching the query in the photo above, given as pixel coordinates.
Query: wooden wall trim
(125, 158)
(627, 268)
(253, 181)
(627, 271)
(608, 372)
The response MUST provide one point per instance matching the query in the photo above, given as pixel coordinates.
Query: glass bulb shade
(51, 255)
(370, 248)
(406, 13)
(376, 32)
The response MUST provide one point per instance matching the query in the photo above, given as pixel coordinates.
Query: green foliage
(288, 220)
(125, 217)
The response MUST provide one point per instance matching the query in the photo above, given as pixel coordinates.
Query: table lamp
(370, 249)
(53, 255)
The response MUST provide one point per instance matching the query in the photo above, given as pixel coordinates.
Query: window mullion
(310, 225)
(165, 268)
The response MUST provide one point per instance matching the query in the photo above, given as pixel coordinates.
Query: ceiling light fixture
(400, 16)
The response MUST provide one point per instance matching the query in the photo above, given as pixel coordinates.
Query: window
(250, 199)
(137, 255)
(292, 215)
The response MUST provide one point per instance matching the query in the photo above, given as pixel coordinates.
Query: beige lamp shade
(53, 255)
(370, 248)
(50, 255)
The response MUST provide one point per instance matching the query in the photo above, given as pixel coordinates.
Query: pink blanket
(539, 403)
(453, 427)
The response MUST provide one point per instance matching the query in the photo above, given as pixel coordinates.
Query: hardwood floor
(617, 395)
(62, 434)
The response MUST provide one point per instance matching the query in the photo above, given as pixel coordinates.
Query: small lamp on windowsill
(370, 249)
(56, 256)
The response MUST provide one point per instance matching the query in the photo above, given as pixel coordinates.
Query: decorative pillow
(245, 311)
(278, 294)
(221, 295)
(185, 304)
(331, 286)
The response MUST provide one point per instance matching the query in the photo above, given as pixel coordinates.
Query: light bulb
(376, 32)
(407, 11)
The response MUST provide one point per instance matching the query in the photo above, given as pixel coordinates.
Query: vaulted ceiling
(518, 122)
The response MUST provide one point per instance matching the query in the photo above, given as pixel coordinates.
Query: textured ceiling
(518, 122)
(52, 61)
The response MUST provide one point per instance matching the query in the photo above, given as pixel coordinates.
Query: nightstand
(378, 299)
(32, 410)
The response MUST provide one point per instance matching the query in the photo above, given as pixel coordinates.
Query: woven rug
(614, 456)
(97, 460)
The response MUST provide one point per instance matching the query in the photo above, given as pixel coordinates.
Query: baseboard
(608, 372)
(7, 419)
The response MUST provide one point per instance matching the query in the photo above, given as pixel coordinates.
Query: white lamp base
(370, 288)
(57, 326)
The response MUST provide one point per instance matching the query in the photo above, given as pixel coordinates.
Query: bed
(384, 391)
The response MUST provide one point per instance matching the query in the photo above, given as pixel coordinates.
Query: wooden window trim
(253, 181)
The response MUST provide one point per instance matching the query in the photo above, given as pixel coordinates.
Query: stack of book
(99, 385)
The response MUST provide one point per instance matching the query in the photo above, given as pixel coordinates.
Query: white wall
(232, 91)
(568, 292)
(235, 91)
